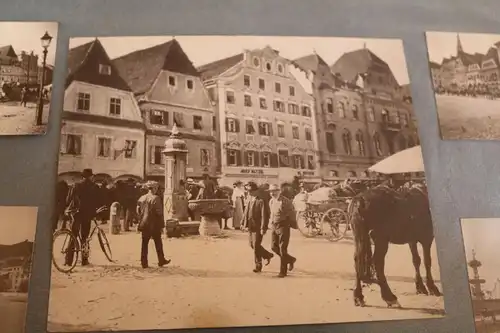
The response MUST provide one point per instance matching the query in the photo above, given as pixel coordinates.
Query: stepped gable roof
(83, 65)
(215, 68)
(353, 63)
(141, 68)
(310, 62)
(16, 250)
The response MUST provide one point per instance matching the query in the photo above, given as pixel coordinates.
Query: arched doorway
(70, 177)
(102, 177)
(126, 177)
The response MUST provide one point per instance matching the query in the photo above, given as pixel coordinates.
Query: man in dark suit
(282, 219)
(83, 203)
(254, 220)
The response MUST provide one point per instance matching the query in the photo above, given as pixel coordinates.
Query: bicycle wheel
(338, 221)
(65, 246)
(104, 243)
(307, 222)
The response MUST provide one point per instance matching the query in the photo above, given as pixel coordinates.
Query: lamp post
(46, 39)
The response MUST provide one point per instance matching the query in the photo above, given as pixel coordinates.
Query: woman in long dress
(237, 199)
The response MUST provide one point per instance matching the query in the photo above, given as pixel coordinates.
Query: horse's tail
(362, 242)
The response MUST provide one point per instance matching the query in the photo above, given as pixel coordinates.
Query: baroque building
(265, 118)
(169, 91)
(102, 127)
(362, 113)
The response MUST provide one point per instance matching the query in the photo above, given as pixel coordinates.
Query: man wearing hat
(151, 223)
(83, 205)
(254, 219)
(282, 219)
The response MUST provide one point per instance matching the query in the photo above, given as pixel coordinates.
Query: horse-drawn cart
(327, 218)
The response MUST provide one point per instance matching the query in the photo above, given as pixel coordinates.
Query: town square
(465, 75)
(26, 69)
(259, 176)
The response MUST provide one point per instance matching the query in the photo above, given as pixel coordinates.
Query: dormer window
(104, 69)
(280, 68)
(171, 81)
(268, 66)
(190, 84)
(256, 62)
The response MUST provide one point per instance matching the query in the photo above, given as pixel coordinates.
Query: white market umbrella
(408, 160)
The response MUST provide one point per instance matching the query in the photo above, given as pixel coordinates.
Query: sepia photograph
(465, 70)
(481, 238)
(17, 234)
(27, 53)
(204, 180)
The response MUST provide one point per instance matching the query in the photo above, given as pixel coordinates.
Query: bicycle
(75, 244)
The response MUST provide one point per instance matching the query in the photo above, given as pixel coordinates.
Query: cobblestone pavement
(463, 117)
(210, 283)
(18, 120)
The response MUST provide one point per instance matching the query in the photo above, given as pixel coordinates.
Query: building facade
(267, 130)
(14, 68)
(102, 127)
(362, 114)
(467, 70)
(15, 265)
(169, 91)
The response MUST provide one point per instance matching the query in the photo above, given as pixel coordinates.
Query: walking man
(282, 219)
(151, 223)
(82, 204)
(254, 220)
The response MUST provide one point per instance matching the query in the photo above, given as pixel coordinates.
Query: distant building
(15, 264)
(265, 117)
(362, 113)
(102, 127)
(16, 68)
(468, 70)
(435, 74)
(169, 90)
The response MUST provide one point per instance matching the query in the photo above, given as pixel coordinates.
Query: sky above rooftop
(17, 224)
(25, 36)
(205, 49)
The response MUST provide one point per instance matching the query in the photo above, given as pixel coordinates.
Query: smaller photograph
(27, 54)
(481, 239)
(465, 70)
(17, 234)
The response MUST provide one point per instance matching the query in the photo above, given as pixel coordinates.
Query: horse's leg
(419, 283)
(433, 289)
(359, 299)
(381, 247)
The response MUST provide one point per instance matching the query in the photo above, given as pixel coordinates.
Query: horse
(383, 215)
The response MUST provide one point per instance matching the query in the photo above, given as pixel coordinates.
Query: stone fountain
(175, 200)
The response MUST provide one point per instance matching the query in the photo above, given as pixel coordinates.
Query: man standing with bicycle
(82, 205)
(151, 223)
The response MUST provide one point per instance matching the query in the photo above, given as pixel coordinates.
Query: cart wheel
(338, 221)
(308, 225)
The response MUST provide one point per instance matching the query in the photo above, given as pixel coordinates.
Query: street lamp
(46, 39)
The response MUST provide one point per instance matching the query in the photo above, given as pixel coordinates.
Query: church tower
(459, 45)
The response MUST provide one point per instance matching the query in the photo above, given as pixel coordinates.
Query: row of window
(172, 82)
(71, 144)
(278, 106)
(247, 82)
(397, 117)
(156, 156)
(266, 128)
(161, 117)
(403, 143)
(269, 160)
(268, 65)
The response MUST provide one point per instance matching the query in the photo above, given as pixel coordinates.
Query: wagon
(328, 219)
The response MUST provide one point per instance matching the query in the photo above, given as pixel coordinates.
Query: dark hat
(251, 186)
(87, 173)
(237, 183)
